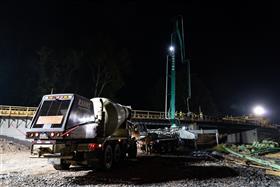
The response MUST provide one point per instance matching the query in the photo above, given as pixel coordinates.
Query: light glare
(259, 110)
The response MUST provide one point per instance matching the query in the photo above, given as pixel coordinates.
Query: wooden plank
(272, 172)
(273, 155)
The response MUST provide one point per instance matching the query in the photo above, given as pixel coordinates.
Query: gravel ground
(17, 169)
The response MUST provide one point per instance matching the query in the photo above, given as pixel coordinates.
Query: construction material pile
(259, 154)
(257, 148)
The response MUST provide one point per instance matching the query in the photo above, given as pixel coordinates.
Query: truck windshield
(54, 108)
(52, 112)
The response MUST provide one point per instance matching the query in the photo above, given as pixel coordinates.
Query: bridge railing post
(10, 111)
(27, 110)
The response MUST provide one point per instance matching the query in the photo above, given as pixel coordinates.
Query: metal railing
(29, 112)
(17, 111)
(242, 120)
(144, 114)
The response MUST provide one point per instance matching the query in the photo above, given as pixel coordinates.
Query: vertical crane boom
(177, 34)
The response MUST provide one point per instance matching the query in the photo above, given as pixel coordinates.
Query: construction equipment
(177, 37)
(70, 129)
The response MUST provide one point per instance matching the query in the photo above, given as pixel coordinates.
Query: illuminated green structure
(177, 35)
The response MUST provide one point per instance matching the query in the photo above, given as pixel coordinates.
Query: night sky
(234, 48)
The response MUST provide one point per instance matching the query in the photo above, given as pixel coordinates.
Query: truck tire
(106, 161)
(62, 166)
(132, 151)
(117, 154)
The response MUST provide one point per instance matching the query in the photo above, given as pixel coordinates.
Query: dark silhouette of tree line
(99, 68)
(96, 70)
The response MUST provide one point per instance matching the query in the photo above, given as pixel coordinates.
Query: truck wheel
(117, 154)
(107, 160)
(132, 151)
(62, 166)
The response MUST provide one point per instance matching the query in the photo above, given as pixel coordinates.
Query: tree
(48, 71)
(56, 70)
(68, 64)
(108, 65)
(96, 70)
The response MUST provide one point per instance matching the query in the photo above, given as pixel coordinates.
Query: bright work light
(259, 110)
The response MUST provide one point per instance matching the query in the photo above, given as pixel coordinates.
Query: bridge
(14, 113)
(156, 118)
(14, 120)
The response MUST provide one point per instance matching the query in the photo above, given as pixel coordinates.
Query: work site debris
(252, 155)
(257, 148)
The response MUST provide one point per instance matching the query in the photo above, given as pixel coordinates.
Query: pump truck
(69, 129)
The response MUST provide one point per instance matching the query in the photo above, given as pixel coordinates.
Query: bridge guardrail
(17, 111)
(143, 114)
(21, 111)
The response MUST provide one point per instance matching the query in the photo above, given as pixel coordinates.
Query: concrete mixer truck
(69, 129)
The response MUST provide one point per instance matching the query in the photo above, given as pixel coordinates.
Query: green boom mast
(178, 37)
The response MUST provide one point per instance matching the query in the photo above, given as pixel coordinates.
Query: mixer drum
(115, 114)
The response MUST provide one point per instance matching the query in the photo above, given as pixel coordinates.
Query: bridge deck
(142, 115)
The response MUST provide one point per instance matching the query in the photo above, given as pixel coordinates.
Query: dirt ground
(17, 169)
